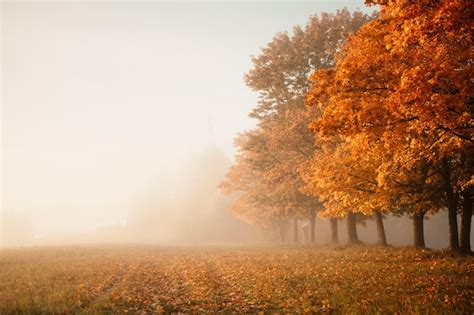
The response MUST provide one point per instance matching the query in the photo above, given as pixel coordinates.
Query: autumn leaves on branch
(361, 116)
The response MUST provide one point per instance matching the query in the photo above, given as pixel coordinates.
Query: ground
(145, 279)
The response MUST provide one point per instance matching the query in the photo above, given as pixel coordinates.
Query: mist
(107, 109)
(179, 208)
(188, 157)
(118, 121)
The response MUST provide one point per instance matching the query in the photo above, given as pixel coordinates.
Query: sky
(100, 100)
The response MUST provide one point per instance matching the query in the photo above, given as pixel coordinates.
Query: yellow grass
(140, 279)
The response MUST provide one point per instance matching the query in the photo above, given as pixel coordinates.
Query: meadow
(150, 279)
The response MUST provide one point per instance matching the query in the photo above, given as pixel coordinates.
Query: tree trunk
(451, 199)
(295, 230)
(466, 221)
(281, 231)
(418, 230)
(352, 236)
(382, 239)
(312, 222)
(452, 219)
(334, 234)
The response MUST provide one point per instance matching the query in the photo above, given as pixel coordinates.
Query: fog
(118, 119)
(106, 106)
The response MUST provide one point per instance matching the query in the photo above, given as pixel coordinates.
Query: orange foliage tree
(403, 86)
(280, 76)
(261, 195)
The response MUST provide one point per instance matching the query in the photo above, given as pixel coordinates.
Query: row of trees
(361, 116)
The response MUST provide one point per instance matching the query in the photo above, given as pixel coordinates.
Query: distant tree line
(361, 116)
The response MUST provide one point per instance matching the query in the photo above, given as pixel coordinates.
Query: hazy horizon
(103, 101)
(133, 179)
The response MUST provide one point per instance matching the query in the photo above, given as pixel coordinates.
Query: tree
(408, 89)
(280, 76)
(343, 174)
(438, 92)
(256, 202)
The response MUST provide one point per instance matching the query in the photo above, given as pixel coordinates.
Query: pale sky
(100, 99)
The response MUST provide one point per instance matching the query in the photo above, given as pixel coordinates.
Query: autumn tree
(254, 202)
(280, 76)
(404, 81)
(260, 179)
(342, 174)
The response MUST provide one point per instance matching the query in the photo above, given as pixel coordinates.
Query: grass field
(138, 279)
